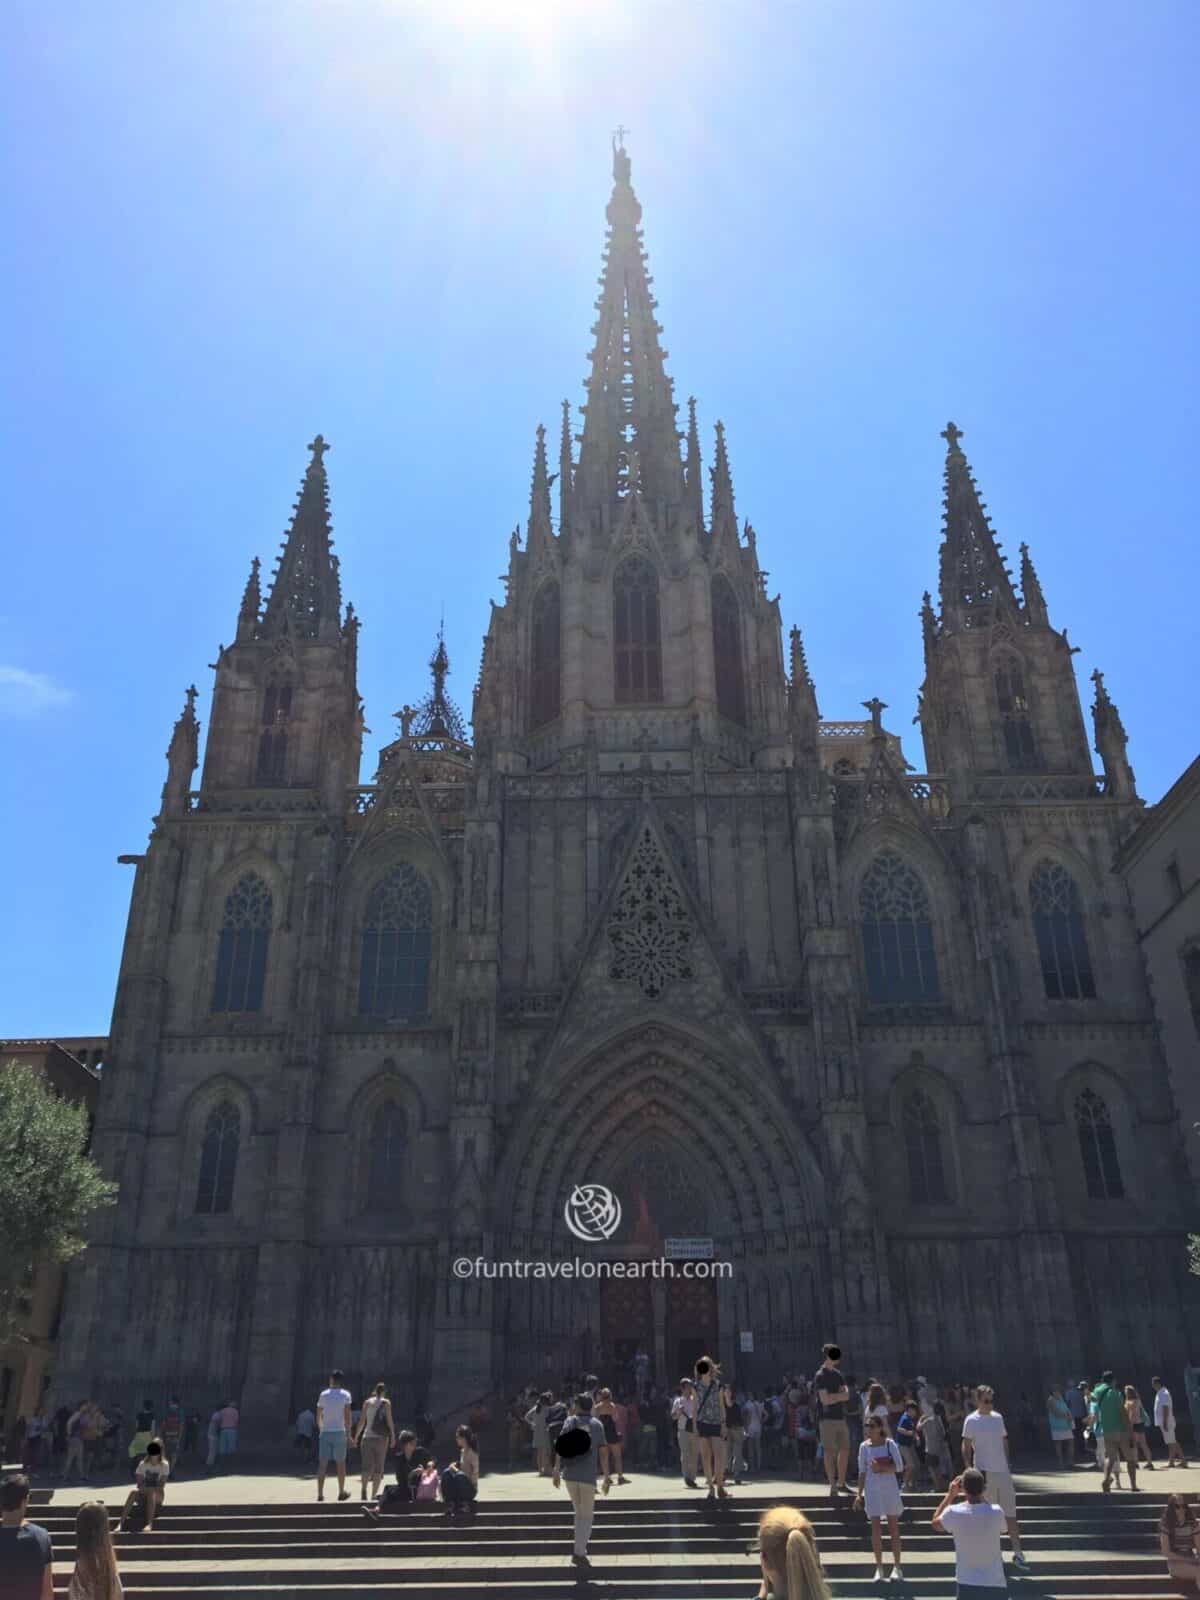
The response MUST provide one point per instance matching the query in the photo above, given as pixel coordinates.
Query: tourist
(605, 1411)
(936, 1440)
(683, 1411)
(977, 1527)
(985, 1446)
(145, 1428)
(956, 1415)
(74, 1456)
(791, 1566)
(172, 1430)
(92, 1426)
(735, 1434)
(879, 1464)
(333, 1434)
(191, 1433)
(411, 1459)
(1078, 1407)
(25, 1551)
(95, 1576)
(214, 1439)
(906, 1438)
(833, 1396)
(306, 1431)
(576, 1463)
(1135, 1411)
(535, 1417)
(1115, 1430)
(1177, 1533)
(460, 1480)
(752, 1420)
(1164, 1421)
(376, 1435)
(875, 1405)
(1062, 1426)
(710, 1426)
(227, 1440)
(151, 1473)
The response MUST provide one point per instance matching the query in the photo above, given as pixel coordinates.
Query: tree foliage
(49, 1185)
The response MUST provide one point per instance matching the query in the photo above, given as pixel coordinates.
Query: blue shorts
(331, 1446)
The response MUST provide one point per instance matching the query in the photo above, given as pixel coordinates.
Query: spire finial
(622, 167)
(876, 707)
(318, 446)
(952, 435)
(722, 486)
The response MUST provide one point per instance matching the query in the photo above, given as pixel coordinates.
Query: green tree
(49, 1185)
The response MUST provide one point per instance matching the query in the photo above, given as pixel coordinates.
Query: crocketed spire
(183, 752)
(1111, 743)
(629, 417)
(693, 476)
(251, 604)
(723, 519)
(305, 598)
(1032, 597)
(974, 580)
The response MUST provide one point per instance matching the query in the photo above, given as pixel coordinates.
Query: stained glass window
(923, 1142)
(727, 650)
(1013, 705)
(242, 946)
(1061, 938)
(397, 945)
(897, 934)
(1098, 1148)
(637, 646)
(218, 1159)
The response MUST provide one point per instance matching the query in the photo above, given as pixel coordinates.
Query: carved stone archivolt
(649, 928)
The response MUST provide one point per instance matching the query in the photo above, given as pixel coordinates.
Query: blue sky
(232, 225)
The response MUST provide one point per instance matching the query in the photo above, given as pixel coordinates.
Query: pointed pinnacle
(722, 482)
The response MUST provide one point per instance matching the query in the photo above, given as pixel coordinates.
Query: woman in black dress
(605, 1413)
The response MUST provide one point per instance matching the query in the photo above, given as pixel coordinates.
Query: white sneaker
(878, 1578)
(896, 1576)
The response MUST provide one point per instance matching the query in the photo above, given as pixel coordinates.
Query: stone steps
(1081, 1547)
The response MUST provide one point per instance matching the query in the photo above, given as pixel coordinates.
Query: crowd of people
(871, 1440)
(84, 1441)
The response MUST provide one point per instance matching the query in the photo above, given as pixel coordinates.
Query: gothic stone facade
(884, 1038)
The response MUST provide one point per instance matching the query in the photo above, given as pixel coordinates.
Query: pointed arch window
(397, 945)
(545, 655)
(727, 650)
(923, 1144)
(1061, 937)
(637, 647)
(1098, 1148)
(242, 946)
(1012, 702)
(271, 767)
(387, 1136)
(218, 1159)
(897, 934)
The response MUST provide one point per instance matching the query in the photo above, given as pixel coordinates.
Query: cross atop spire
(305, 598)
(974, 580)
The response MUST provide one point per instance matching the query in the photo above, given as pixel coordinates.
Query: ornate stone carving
(649, 930)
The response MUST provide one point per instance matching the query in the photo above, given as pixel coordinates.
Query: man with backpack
(576, 1458)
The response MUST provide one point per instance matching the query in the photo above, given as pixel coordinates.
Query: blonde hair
(789, 1555)
(95, 1576)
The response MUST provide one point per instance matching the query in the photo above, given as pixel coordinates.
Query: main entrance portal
(668, 1323)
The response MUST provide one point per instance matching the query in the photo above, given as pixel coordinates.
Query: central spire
(629, 430)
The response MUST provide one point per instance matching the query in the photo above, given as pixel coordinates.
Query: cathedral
(881, 1038)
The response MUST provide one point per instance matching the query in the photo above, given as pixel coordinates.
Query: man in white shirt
(977, 1528)
(683, 1411)
(333, 1422)
(1164, 1421)
(985, 1447)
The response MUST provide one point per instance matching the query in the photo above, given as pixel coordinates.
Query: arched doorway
(695, 1147)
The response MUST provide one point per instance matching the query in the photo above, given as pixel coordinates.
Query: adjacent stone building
(1160, 861)
(884, 1037)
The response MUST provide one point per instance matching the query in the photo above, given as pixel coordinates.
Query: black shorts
(709, 1430)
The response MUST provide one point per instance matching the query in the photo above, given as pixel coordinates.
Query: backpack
(427, 1484)
(555, 1417)
(379, 1425)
